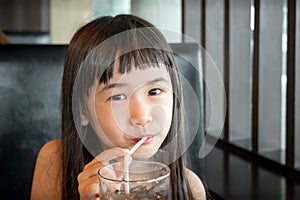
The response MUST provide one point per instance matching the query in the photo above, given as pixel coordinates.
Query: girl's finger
(89, 188)
(89, 172)
(88, 180)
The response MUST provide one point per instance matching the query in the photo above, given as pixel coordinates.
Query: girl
(102, 76)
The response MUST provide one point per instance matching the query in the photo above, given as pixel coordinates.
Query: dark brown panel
(203, 24)
(182, 19)
(226, 65)
(255, 79)
(290, 114)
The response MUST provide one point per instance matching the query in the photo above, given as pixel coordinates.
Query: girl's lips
(147, 141)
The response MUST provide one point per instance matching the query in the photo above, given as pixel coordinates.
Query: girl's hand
(88, 182)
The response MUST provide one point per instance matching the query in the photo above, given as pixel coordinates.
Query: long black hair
(84, 50)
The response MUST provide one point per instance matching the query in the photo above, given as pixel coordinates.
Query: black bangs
(139, 59)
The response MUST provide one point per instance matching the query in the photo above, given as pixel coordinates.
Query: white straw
(137, 145)
(126, 173)
(126, 162)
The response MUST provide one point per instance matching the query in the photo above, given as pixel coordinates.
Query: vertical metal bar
(203, 44)
(203, 24)
(182, 20)
(255, 78)
(290, 114)
(226, 65)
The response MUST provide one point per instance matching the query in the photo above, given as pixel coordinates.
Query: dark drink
(139, 193)
(147, 181)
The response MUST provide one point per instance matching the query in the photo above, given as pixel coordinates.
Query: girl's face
(133, 105)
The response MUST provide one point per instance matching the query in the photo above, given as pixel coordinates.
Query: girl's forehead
(142, 74)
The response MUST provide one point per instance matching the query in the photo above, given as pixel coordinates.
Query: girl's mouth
(147, 141)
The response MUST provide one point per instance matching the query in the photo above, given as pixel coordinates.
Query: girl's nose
(140, 113)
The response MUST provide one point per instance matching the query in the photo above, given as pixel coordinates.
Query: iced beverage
(145, 180)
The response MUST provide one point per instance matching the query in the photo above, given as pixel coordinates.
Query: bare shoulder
(196, 185)
(53, 146)
(50, 154)
(47, 173)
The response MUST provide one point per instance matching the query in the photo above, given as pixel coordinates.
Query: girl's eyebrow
(113, 85)
(157, 80)
(119, 85)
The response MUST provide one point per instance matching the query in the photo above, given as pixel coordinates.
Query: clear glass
(214, 39)
(271, 141)
(145, 180)
(240, 74)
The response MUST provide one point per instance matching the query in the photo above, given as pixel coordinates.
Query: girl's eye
(117, 97)
(155, 91)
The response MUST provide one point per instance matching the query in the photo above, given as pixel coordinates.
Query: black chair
(30, 79)
(30, 88)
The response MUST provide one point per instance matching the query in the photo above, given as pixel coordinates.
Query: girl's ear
(83, 117)
(83, 120)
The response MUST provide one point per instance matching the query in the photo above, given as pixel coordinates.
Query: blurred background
(55, 21)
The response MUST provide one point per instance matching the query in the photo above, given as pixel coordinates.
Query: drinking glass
(144, 180)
